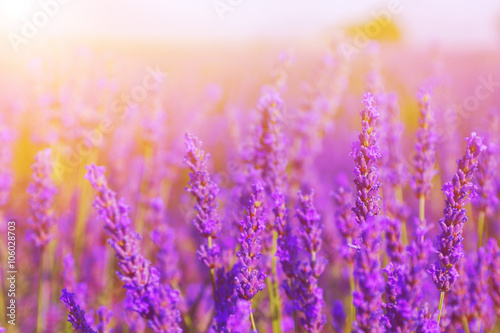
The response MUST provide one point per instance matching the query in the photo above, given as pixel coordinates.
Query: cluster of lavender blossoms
(425, 156)
(204, 190)
(367, 298)
(41, 192)
(76, 315)
(458, 194)
(249, 281)
(152, 300)
(308, 293)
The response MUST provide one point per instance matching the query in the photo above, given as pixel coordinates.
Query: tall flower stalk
(368, 298)
(425, 157)
(205, 191)
(309, 294)
(41, 192)
(152, 300)
(486, 200)
(267, 161)
(249, 281)
(76, 315)
(458, 194)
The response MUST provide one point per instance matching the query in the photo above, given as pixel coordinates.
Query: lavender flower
(76, 314)
(268, 160)
(338, 315)
(310, 295)
(398, 310)
(425, 157)
(205, 191)
(417, 256)
(345, 222)
(365, 154)
(426, 322)
(481, 304)
(394, 174)
(226, 301)
(70, 283)
(154, 301)
(41, 192)
(486, 200)
(287, 244)
(458, 194)
(396, 216)
(105, 316)
(368, 299)
(247, 277)
(2, 330)
(494, 251)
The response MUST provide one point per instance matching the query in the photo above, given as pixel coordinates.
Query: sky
(472, 23)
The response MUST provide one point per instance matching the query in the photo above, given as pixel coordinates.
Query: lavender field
(298, 185)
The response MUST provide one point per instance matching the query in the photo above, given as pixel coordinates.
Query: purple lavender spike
(494, 251)
(154, 301)
(268, 158)
(398, 316)
(345, 222)
(481, 304)
(310, 295)
(76, 314)
(247, 278)
(425, 157)
(426, 322)
(338, 315)
(105, 316)
(365, 153)
(368, 298)
(41, 192)
(458, 194)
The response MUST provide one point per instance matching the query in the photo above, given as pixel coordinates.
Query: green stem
(39, 308)
(272, 286)
(465, 324)
(251, 318)
(441, 301)
(421, 211)
(295, 323)
(480, 228)
(399, 197)
(212, 269)
(352, 310)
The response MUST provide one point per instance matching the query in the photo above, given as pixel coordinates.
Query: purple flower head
(494, 251)
(338, 315)
(481, 305)
(367, 299)
(393, 171)
(202, 188)
(287, 244)
(76, 315)
(41, 192)
(268, 158)
(226, 301)
(247, 277)
(417, 257)
(487, 200)
(105, 316)
(154, 301)
(458, 193)
(425, 156)
(167, 257)
(365, 153)
(307, 292)
(345, 222)
(398, 310)
(426, 322)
